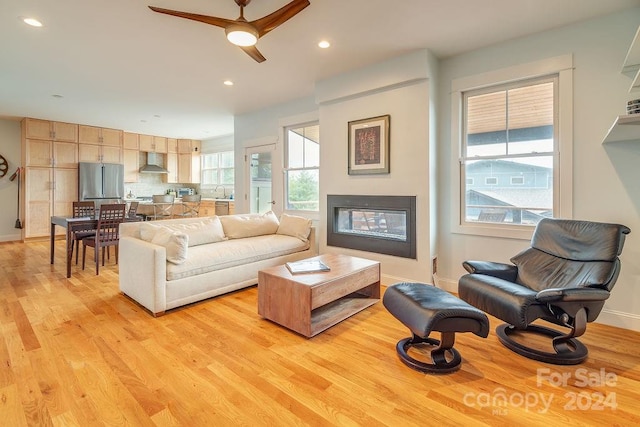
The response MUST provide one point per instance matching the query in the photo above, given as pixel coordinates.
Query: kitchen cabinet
(130, 158)
(40, 152)
(189, 161)
(172, 145)
(99, 153)
(49, 144)
(48, 191)
(99, 145)
(172, 161)
(48, 130)
(216, 207)
(99, 136)
(172, 167)
(152, 144)
(130, 141)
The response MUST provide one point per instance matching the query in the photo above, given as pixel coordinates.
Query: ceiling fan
(241, 32)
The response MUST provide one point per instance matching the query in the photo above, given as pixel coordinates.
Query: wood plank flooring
(75, 352)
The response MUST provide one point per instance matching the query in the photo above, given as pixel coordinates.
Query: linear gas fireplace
(382, 224)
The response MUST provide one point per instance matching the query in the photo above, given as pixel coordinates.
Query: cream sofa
(167, 264)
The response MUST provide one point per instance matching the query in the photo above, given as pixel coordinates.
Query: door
(259, 169)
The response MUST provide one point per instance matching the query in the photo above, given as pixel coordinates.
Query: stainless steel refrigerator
(101, 182)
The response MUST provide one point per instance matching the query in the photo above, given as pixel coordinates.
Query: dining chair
(163, 206)
(190, 205)
(81, 209)
(132, 213)
(107, 232)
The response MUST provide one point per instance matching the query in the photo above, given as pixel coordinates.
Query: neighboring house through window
(510, 133)
(302, 167)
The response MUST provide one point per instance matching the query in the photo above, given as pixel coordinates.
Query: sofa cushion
(175, 242)
(250, 225)
(205, 258)
(294, 226)
(201, 232)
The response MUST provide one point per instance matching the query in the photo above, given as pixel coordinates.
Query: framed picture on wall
(369, 145)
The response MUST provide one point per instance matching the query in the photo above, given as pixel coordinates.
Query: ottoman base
(425, 309)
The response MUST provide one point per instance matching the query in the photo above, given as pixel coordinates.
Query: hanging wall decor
(369, 146)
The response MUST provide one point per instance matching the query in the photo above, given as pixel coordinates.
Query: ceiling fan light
(241, 35)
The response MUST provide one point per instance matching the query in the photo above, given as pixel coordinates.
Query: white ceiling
(118, 64)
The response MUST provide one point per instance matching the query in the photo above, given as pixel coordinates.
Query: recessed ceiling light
(324, 44)
(32, 21)
(228, 83)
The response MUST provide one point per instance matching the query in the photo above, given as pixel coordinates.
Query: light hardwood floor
(77, 352)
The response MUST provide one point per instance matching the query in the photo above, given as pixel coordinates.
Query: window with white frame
(510, 129)
(217, 169)
(302, 167)
(510, 133)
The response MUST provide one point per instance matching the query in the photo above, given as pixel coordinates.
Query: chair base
(440, 364)
(569, 351)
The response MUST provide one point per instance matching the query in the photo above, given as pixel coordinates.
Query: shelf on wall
(624, 129)
(631, 65)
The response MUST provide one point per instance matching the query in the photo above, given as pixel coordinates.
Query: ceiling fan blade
(253, 52)
(280, 16)
(211, 20)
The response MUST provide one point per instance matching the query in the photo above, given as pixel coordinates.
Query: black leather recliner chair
(564, 278)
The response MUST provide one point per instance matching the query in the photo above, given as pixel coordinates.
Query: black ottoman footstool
(425, 308)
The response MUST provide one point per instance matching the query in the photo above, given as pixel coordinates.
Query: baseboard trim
(11, 238)
(619, 319)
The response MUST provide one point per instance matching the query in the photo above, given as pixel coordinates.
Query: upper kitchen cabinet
(130, 141)
(50, 153)
(153, 144)
(189, 161)
(99, 145)
(48, 130)
(172, 145)
(43, 150)
(130, 158)
(99, 136)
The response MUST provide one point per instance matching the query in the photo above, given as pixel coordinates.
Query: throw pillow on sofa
(240, 226)
(175, 242)
(295, 226)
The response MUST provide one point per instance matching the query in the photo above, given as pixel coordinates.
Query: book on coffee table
(307, 266)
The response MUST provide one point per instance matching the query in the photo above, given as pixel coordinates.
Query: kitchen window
(217, 169)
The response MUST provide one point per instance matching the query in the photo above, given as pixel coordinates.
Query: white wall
(605, 178)
(401, 88)
(10, 150)
(261, 127)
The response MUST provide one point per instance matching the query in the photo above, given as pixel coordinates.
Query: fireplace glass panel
(386, 224)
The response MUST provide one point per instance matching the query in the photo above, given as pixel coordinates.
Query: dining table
(73, 225)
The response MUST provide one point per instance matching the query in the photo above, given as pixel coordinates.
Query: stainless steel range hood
(153, 164)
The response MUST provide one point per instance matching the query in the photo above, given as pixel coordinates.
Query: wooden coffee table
(309, 303)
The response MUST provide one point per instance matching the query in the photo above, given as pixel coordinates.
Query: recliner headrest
(579, 240)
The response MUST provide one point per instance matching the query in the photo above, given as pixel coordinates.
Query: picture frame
(369, 141)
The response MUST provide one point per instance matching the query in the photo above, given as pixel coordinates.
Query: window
(217, 169)
(491, 180)
(302, 167)
(512, 127)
